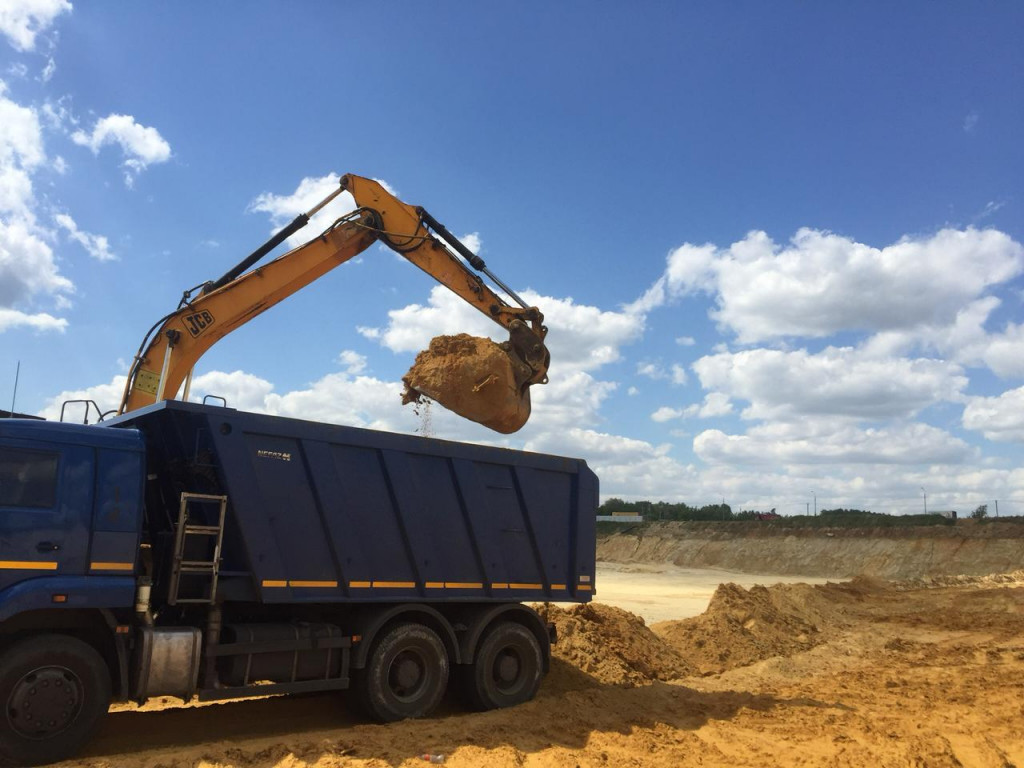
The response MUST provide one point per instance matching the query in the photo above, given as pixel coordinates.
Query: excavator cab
(477, 378)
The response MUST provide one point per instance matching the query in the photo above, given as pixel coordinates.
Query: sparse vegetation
(827, 518)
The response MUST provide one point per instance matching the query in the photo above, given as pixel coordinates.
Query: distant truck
(185, 549)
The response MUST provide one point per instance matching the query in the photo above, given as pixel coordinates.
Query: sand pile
(614, 646)
(471, 376)
(741, 627)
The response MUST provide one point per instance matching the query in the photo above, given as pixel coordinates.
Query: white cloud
(971, 121)
(472, 241)
(48, 71)
(21, 141)
(141, 145)
(823, 283)
(12, 318)
(352, 362)
(241, 390)
(337, 398)
(668, 414)
(27, 266)
(22, 20)
(96, 246)
(832, 442)
(581, 337)
(838, 381)
(311, 190)
(106, 396)
(685, 341)
(997, 418)
(715, 404)
(651, 371)
(966, 340)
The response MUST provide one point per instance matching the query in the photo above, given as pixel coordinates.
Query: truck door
(46, 495)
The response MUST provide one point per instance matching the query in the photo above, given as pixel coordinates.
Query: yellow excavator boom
(491, 388)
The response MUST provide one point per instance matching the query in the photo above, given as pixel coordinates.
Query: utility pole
(815, 494)
(808, 505)
(997, 507)
(925, 496)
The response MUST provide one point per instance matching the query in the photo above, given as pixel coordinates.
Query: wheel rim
(44, 702)
(407, 675)
(507, 670)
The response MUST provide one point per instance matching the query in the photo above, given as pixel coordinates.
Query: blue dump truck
(195, 550)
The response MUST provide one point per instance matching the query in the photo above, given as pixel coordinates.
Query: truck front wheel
(406, 674)
(54, 690)
(506, 670)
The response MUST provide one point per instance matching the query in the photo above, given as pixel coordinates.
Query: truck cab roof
(94, 436)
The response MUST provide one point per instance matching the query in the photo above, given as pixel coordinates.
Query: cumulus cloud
(998, 418)
(96, 246)
(822, 283)
(311, 190)
(106, 396)
(843, 382)
(27, 266)
(826, 442)
(582, 337)
(41, 321)
(715, 404)
(336, 398)
(140, 145)
(21, 21)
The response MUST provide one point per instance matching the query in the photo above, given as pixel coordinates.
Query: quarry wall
(968, 548)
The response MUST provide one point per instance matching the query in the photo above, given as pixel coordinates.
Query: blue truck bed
(324, 513)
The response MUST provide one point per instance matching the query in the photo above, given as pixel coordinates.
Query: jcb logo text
(198, 322)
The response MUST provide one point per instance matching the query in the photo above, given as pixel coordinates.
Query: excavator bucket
(474, 377)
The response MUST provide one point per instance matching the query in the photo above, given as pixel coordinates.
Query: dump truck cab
(70, 509)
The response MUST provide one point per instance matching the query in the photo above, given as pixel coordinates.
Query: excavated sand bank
(836, 553)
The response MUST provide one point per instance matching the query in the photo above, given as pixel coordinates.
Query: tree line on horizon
(680, 511)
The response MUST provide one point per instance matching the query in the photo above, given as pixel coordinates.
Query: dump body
(326, 513)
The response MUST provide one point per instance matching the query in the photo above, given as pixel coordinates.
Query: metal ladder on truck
(195, 570)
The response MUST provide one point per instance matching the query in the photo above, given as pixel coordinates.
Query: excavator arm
(488, 384)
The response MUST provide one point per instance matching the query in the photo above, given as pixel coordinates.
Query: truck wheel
(406, 674)
(54, 690)
(507, 668)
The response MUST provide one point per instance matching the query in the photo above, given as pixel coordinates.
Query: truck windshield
(27, 478)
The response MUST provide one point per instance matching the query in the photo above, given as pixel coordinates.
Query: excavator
(476, 378)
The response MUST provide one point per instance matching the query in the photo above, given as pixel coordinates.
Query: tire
(406, 674)
(506, 670)
(54, 690)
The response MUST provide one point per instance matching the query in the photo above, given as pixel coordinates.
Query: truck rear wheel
(54, 691)
(406, 674)
(506, 669)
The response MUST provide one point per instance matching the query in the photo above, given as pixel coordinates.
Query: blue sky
(778, 245)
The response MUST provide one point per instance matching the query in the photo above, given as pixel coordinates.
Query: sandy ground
(855, 674)
(661, 592)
